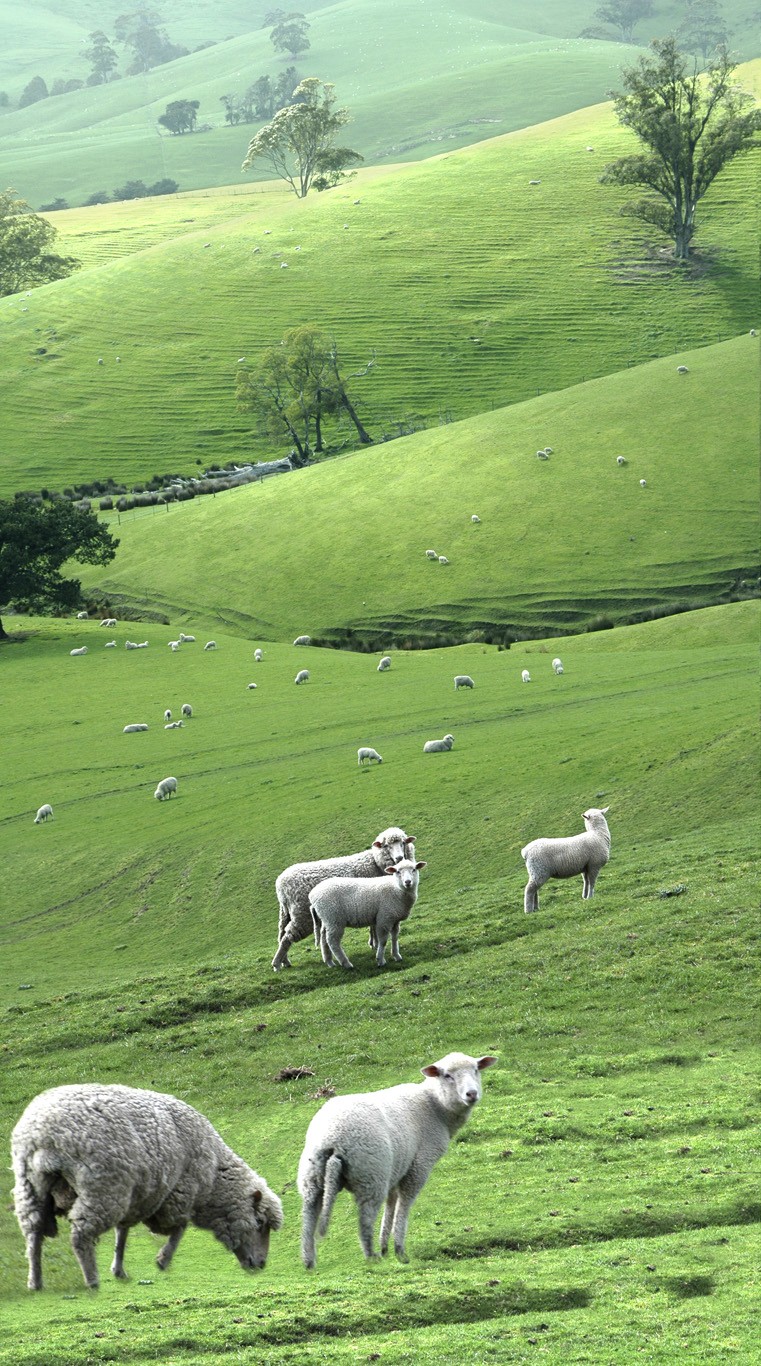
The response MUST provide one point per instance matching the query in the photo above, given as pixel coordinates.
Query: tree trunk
(3, 633)
(364, 435)
(318, 447)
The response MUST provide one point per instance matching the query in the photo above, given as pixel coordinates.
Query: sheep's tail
(332, 1184)
(316, 924)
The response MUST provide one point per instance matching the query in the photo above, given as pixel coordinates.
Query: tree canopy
(299, 142)
(101, 57)
(36, 541)
(691, 127)
(702, 29)
(289, 32)
(25, 241)
(180, 116)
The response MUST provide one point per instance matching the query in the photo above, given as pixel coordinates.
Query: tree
(180, 116)
(101, 57)
(99, 197)
(233, 109)
(54, 206)
(692, 127)
(624, 15)
(36, 540)
(285, 88)
(298, 142)
(133, 189)
(148, 42)
(702, 29)
(34, 91)
(25, 241)
(290, 33)
(165, 186)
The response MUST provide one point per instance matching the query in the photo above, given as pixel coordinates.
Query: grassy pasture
(602, 1202)
(546, 288)
(342, 545)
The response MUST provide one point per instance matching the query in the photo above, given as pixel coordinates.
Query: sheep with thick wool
(296, 882)
(380, 905)
(109, 1156)
(382, 1146)
(586, 853)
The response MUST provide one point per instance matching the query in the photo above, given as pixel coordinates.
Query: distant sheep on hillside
(43, 814)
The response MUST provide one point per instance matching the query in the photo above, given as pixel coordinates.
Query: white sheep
(251, 686)
(525, 676)
(210, 645)
(682, 370)
(542, 455)
(186, 640)
(167, 715)
(130, 645)
(443, 559)
(382, 1146)
(186, 709)
(110, 1156)
(81, 651)
(108, 621)
(475, 519)
(567, 857)
(438, 746)
(557, 665)
(302, 676)
(174, 725)
(110, 645)
(463, 681)
(384, 664)
(82, 616)
(366, 753)
(142, 645)
(380, 904)
(174, 644)
(165, 789)
(296, 882)
(431, 555)
(643, 483)
(258, 656)
(303, 640)
(621, 460)
(138, 725)
(43, 813)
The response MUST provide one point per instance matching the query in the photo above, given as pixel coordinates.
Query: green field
(602, 1201)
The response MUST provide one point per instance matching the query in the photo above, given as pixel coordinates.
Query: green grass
(545, 287)
(602, 1203)
(562, 543)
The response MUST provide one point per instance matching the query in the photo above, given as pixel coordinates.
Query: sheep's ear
(377, 844)
(485, 1062)
(421, 865)
(257, 1197)
(431, 1071)
(410, 839)
(392, 868)
(604, 809)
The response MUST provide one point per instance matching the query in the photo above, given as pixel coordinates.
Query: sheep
(258, 656)
(81, 651)
(463, 681)
(139, 725)
(586, 854)
(210, 645)
(542, 455)
(82, 616)
(109, 1156)
(130, 645)
(110, 645)
(535, 182)
(382, 1146)
(251, 686)
(621, 460)
(296, 882)
(559, 669)
(557, 665)
(174, 644)
(643, 483)
(108, 621)
(384, 664)
(43, 813)
(753, 332)
(186, 640)
(443, 559)
(302, 676)
(167, 715)
(378, 904)
(431, 555)
(475, 519)
(165, 789)
(438, 746)
(142, 645)
(303, 640)
(186, 710)
(366, 753)
(525, 676)
(682, 370)
(174, 725)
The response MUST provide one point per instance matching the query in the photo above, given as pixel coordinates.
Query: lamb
(586, 854)
(475, 519)
(130, 645)
(109, 1156)
(251, 686)
(129, 730)
(542, 455)
(296, 882)
(186, 640)
(210, 645)
(258, 656)
(557, 665)
(682, 370)
(186, 710)
(382, 1146)
(369, 754)
(174, 644)
(165, 789)
(431, 555)
(303, 640)
(378, 904)
(302, 676)
(621, 460)
(526, 676)
(443, 559)
(643, 483)
(143, 645)
(110, 645)
(108, 621)
(167, 715)
(43, 813)
(384, 664)
(174, 725)
(438, 746)
(81, 616)
(463, 681)
(81, 651)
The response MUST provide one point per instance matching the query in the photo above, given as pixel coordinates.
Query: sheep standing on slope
(303, 640)
(186, 710)
(475, 519)
(115, 1156)
(438, 746)
(526, 676)
(167, 715)
(302, 676)
(377, 904)
(384, 664)
(586, 854)
(210, 645)
(295, 883)
(431, 555)
(165, 789)
(258, 656)
(81, 616)
(557, 665)
(443, 559)
(463, 681)
(43, 813)
(382, 1146)
(368, 754)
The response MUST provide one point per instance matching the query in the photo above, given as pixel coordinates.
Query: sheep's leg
(333, 937)
(34, 1239)
(316, 926)
(327, 956)
(388, 1220)
(395, 952)
(531, 896)
(368, 1213)
(117, 1265)
(309, 1216)
(281, 959)
(383, 927)
(170, 1247)
(83, 1238)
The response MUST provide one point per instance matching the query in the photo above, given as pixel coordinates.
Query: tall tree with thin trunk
(691, 127)
(299, 142)
(625, 15)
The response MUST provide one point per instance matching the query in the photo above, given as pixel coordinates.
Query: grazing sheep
(382, 1146)
(302, 676)
(165, 789)
(586, 854)
(81, 651)
(542, 455)
(367, 753)
(526, 676)
(753, 332)
(463, 681)
(682, 370)
(174, 725)
(186, 640)
(250, 686)
(43, 813)
(559, 669)
(443, 559)
(295, 883)
(377, 904)
(82, 616)
(431, 555)
(108, 621)
(384, 664)
(129, 730)
(110, 1156)
(110, 645)
(174, 646)
(438, 746)
(167, 715)
(258, 656)
(557, 665)
(535, 182)
(186, 709)
(475, 519)
(621, 460)
(303, 640)
(210, 645)
(643, 483)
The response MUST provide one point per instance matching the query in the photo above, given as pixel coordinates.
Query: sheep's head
(457, 1079)
(392, 846)
(596, 815)
(407, 873)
